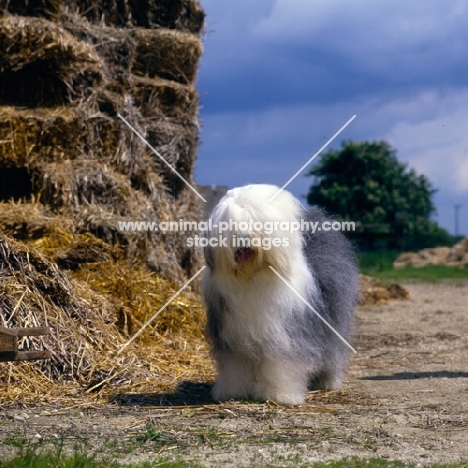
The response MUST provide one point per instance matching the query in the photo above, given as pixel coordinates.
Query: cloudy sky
(280, 77)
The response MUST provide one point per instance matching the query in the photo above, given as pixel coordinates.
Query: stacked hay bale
(70, 170)
(67, 69)
(450, 256)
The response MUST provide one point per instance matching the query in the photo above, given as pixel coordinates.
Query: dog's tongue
(244, 254)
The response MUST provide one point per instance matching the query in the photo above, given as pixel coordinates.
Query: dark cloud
(288, 59)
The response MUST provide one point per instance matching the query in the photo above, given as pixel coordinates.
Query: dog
(260, 287)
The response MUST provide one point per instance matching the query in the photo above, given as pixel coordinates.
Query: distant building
(212, 194)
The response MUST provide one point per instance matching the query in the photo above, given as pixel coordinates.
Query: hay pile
(454, 256)
(70, 170)
(67, 69)
(376, 292)
(92, 312)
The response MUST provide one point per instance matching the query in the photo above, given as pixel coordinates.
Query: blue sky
(279, 77)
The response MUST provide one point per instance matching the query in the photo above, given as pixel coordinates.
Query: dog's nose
(243, 254)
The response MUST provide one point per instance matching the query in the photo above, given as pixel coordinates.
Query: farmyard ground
(405, 398)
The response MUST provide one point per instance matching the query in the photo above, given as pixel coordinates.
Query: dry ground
(406, 398)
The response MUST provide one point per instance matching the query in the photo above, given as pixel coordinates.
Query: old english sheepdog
(266, 270)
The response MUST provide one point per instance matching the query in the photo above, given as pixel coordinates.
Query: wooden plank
(30, 331)
(24, 356)
(8, 331)
(32, 355)
(34, 331)
(8, 343)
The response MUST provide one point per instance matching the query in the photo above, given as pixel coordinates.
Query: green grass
(80, 460)
(379, 264)
(352, 462)
(159, 438)
(37, 455)
(429, 274)
(42, 455)
(371, 263)
(53, 460)
(32, 460)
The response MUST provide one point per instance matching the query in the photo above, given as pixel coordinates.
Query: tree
(365, 183)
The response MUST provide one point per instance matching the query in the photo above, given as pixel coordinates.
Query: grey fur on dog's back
(333, 262)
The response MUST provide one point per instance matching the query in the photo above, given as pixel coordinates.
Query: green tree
(365, 183)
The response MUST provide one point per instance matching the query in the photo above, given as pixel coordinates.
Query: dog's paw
(222, 392)
(288, 398)
(219, 394)
(281, 395)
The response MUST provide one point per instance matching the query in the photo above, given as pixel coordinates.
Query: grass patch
(379, 264)
(159, 438)
(41, 455)
(371, 263)
(30, 459)
(429, 274)
(17, 441)
(352, 462)
(79, 460)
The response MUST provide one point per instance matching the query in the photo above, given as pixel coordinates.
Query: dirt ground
(405, 398)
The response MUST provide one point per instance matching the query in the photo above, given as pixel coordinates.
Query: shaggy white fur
(266, 343)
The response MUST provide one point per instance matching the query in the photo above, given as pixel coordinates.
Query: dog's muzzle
(243, 254)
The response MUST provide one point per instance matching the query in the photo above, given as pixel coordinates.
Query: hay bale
(36, 138)
(459, 253)
(27, 221)
(32, 137)
(186, 15)
(71, 183)
(432, 256)
(57, 70)
(406, 259)
(376, 292)
(158, 98)
(455, 256)
(168, 54)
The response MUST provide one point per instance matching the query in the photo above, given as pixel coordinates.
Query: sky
(279, 78)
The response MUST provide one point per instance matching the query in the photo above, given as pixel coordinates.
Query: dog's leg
(330, 376)
(235, 376)
(326, 379)
(280, 380)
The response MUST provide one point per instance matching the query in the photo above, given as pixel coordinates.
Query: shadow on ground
(186, 394)
(418, 375)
